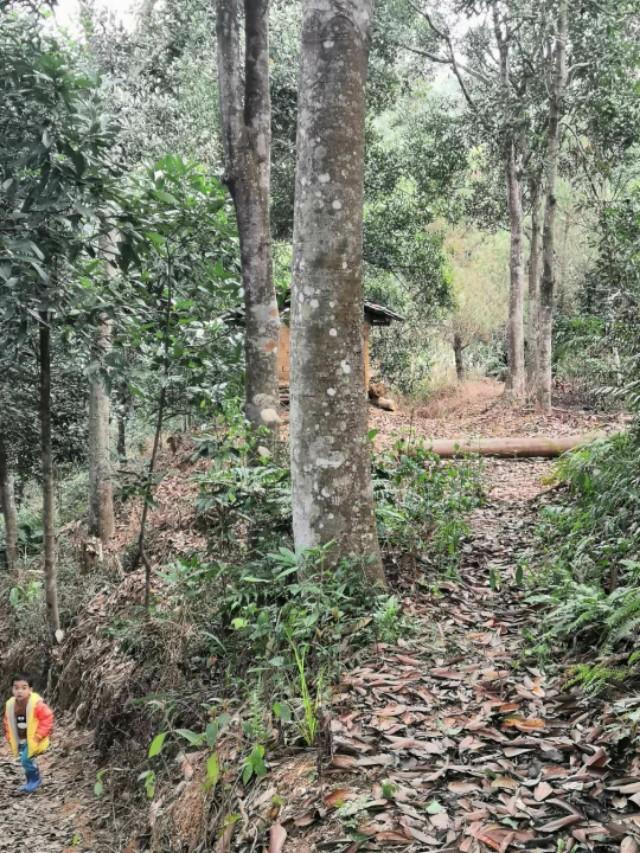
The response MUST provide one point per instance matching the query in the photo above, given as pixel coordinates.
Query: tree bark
(101, 516)
(330, 455)
(458, 352)
(246, 133)
(548, 283)
(48, 499)
(533, 319)
(515, 382)
(122, 438)
(515, 385)
(8, 498)
(124, 410)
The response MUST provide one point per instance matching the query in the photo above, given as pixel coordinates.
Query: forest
(320, 425)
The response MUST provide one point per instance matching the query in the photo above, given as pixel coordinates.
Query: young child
(27, 724)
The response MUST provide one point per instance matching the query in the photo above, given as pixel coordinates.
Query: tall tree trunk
(246, 133)
(330, 456)
(549, 260)
(458, 352)
(515, 384)
(121, 447)
(8, 498)
(534, 287)
(48, 500)
(101, 517)
(123, 408)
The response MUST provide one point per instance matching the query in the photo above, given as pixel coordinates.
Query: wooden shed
(374, 315)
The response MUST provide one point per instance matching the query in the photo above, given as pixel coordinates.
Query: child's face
(21, 690)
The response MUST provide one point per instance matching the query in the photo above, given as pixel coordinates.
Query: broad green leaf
(194, 738)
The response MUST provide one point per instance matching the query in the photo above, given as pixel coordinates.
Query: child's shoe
(32, 784)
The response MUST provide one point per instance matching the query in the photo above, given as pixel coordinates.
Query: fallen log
(510, 448)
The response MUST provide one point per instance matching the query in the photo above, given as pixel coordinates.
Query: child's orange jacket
(39, 725)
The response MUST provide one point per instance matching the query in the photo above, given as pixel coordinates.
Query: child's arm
(44, 716)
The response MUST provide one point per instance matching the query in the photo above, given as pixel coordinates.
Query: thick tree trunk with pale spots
(246, 131)
(330, 454)
(101, 516)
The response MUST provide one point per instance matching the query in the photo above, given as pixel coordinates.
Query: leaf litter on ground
(446, 741)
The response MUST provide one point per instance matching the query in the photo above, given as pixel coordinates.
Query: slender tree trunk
(515, 385)
(330, 456)
(458, 352)
(123, 401)
(122, 438)
(515, 382)
(534, 288)
(148, 493)
(48, 499)
(101, 516)
(8, 498)
(548, 283)
(246, 125)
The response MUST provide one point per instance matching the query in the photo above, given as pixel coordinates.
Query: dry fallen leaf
(542, 791)
(461, 787)
(336, 798)
(523, 725)
(560, 823)
(277, 837)
(504, 782)
(447, 674)
(440, 820)
(344, 762)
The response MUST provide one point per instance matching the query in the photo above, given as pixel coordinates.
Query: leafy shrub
(592, 550)
(255, 499)
(421, 504)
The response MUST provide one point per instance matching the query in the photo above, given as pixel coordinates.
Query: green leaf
(156, 744)
(157, 239)
(434, 807)
(194, 738)
(211, 734)
(98, 788)
(213, 771)
(282, 712)
(162, 195)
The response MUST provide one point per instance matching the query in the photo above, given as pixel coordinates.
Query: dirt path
(63, 816)
(449, 741)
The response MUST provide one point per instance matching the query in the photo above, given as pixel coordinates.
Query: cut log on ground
(512, 448)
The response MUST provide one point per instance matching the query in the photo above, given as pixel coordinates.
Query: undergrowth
(281, 626)
(590, 584)
(245, 633)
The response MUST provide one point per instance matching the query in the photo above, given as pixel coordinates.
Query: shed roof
(379, 315)
(374, 314)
